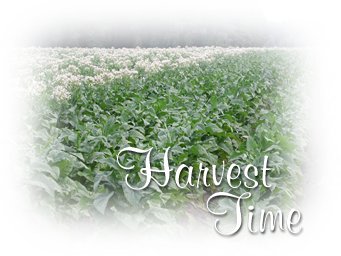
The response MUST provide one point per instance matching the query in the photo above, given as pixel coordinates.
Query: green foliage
(236, 108)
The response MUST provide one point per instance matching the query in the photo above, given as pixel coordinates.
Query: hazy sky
(166, 34)
(159, 24)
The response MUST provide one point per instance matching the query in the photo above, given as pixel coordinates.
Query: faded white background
(315, 24)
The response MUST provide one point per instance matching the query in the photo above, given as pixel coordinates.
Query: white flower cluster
(61, 93)
(61, 68)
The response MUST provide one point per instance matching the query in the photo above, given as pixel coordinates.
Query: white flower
(63, 68)
(61, 93)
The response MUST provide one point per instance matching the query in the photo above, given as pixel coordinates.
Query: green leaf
(101, 201)
(213, 128)
(132, 196)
